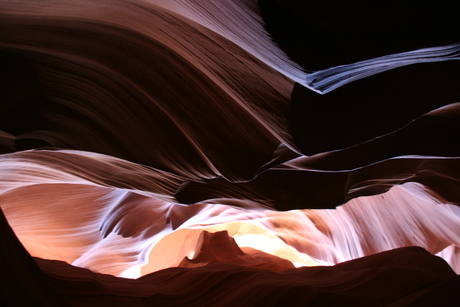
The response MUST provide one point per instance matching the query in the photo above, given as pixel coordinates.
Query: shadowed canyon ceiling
(221, 153)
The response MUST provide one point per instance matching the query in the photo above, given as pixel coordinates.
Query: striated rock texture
(170, 153)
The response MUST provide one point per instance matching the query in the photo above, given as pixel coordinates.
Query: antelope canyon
(229, 153)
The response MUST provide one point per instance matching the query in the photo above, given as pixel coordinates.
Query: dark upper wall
(322, 34)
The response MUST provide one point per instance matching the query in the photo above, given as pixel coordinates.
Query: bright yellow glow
(275, 247)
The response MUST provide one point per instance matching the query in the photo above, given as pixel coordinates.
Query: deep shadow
(371, 107)
(322, 34)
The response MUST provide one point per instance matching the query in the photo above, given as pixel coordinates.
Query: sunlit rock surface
(170, 153)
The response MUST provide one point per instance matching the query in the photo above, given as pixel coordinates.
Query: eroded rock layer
(169, 153)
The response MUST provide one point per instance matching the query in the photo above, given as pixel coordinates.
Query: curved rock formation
(169, 153)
